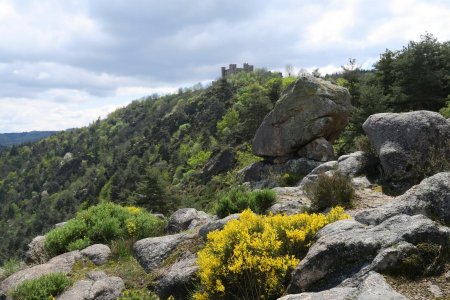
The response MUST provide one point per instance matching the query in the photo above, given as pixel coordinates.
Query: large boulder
(345, 251)
(186, 218)
(431, 198)
(311, 108)
(409, 144)
(151, 252)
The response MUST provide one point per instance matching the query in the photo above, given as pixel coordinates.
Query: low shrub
(329, 191)
(429, 260)
(10, 267)
(251, 258)
(240, 199)
(102, 223)
(143, 294)
(45, 287)
(290, 179)
(362, 143)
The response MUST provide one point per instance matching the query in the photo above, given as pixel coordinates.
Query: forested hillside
(9, 139)
(152, 152)
(149, 154)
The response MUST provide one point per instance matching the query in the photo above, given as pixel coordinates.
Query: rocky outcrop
(373, 287)
(151, 252)
(345, 251)
(185, 219)
(178, 279)
(409, 144)
(36, 253)
(311, 108)
(267, 175)
(431, 198)
(219, 163)
(98, 253)
(353, 165)
(62, 263)
(97, 286)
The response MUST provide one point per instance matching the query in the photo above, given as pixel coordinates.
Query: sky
(65, 63)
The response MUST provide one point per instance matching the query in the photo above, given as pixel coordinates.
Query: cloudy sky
(65, 63)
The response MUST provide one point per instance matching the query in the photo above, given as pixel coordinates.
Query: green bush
(429, 260)
(42, 288)
(10, 267)
(290, 179)
(239, 199)
(329, 191)
(102, 223)
(362, 143)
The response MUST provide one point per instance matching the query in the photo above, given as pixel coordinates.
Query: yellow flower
(131, 227)
(133, 209)
(255, 253)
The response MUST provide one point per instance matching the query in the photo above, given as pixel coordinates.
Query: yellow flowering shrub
(251, 258)
(133, 209)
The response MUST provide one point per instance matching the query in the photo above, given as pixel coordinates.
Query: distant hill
(9, 139)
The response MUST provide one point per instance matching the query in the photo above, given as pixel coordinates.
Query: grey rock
(337, 293)
(186, 218)
(290, 200)
(220, 162)
(431, 198)
(319, 149)
(356, 163)
(96, 275)
(98, 287)
(373, 287)
(62, 263)
(36, 253)
(361, 182)
(98, 253)
(387, 259)
(347, 248)
(61, 224)
(108, 288)
(408, 142)
(178, 279)
(435, 290)
(151, 252)
(311, 108)
(79, 291)
(267, 175)
(216, 225)
(314, 174)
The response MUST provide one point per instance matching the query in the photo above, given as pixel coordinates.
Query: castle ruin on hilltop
(234, 70)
